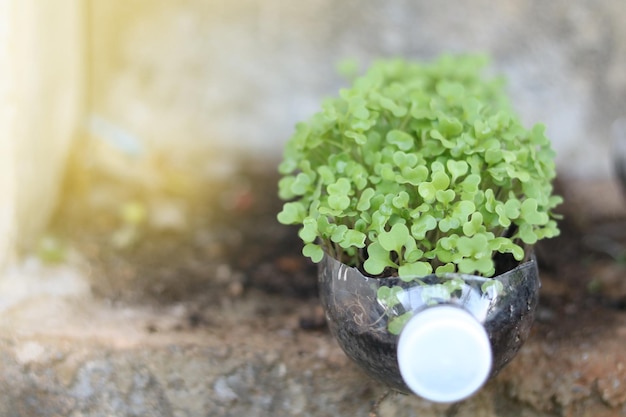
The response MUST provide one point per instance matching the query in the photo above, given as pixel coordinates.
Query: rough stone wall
(240, 74)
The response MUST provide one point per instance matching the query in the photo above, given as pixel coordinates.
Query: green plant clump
(419, 168)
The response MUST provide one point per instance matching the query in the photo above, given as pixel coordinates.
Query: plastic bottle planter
(450, 346)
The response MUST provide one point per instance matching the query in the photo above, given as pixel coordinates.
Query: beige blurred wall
(41, 109)
(198, 81)
(237, 74)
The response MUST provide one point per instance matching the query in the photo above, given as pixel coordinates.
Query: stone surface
(83, 358)
(222, 319)
(238, 75)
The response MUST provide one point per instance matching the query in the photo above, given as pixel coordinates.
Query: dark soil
(232, 232)
(232, 239)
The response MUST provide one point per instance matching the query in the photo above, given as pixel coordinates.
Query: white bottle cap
(444, 354)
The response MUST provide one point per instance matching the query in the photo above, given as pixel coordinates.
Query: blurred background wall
(42, 104)
(239, 74)
(197, 83)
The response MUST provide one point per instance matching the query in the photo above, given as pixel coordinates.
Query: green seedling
(419, 168)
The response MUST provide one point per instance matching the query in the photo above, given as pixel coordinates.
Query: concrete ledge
(83, 358)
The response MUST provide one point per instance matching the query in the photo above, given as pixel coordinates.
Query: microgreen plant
(419, 168)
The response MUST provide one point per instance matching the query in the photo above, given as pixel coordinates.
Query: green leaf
(471, 108)
(457, 168)
(554, 201)
(401, 200)
(432, 294)
(503, 219)
(475, 225)
(450, 89)
(493, 156)
(386, 207)
(445, 197)
(377, 259)
(353, 238)
(506, 245)
(359, 138)
(512, 208)
(487, 200)
(413, 255)
(388, 296)
(326, 174)
(444, 269)
(362, 224)
(516, 173)
(339, 161)
(379, 220)
(419, 210)
(530, 212)
(474, 246)
(358, 174)
(450, 126)
(301, 184)
(462, 209)
(308, 233)
(437, 166)
(324, 227)
(395, 238)
(499, 173)
(397, 110)
(292, 213)
(466, 246)
(413, 176)
(449, 242)
(423, 225)
(435, 134)
(340, 187)
(470, 183)
(454, 284)
(404, 160)
(482, 266)
(440, 180)
(401, 139)
(492, 287)
(339, 233)
(550, 230)
(446, 250)
(338, 202)
(365, 199)
(284, 187)
(527, 234)
(482, 130)
(387, 172)
(427, 191)
(358, 109)
(396, 324)
(448, 223)
(313, 251)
